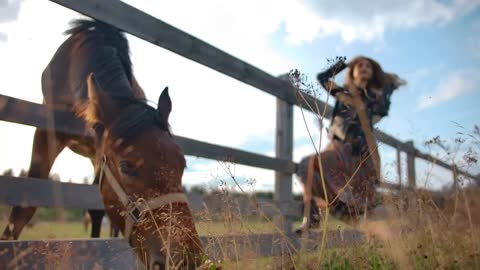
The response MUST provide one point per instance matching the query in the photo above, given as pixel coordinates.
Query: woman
(350, 162)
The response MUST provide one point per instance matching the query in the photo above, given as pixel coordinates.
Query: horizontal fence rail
(28, 113)
(23, 191)
(32, 114)
(117, 254)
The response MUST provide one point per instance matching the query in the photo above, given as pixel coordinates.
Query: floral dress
(349, 176)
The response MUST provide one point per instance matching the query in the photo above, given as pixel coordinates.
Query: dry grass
(430, 234)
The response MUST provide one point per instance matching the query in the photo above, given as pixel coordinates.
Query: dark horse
(137, 163)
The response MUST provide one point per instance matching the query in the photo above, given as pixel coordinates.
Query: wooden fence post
(410, 150)
(455, 183)
(399, 166)
(455, 175)
(284, 150)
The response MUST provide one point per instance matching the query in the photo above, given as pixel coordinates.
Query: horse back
(91, 47)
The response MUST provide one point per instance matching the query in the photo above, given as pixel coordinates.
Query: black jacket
(345, 124)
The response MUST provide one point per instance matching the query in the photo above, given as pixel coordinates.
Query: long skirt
(349, 179)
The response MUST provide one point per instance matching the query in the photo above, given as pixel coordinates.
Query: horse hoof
(299, 231)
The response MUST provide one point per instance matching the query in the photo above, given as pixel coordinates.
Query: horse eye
(99, 129)
(127, 168)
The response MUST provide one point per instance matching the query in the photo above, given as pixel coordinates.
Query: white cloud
(239, 27)
(358, 20)
(9, 10)
(454, 85)
(245, 23)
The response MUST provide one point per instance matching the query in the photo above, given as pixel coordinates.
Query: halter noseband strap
(135, 210)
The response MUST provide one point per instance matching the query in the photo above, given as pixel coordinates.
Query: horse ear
(98, 103)
(164, 106)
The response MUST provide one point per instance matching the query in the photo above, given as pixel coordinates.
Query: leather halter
(136, 210)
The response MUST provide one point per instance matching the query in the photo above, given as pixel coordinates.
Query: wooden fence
(33, 192)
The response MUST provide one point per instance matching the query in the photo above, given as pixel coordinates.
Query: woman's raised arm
(324, 78)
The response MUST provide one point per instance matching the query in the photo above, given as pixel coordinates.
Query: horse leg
(46, 147)
(113, 230)
(97, 216)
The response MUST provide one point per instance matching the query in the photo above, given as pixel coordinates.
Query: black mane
(134, 119)
(113, 68)
(113, 37)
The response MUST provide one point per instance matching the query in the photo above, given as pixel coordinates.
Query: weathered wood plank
(67, 254)
(22, 191)
(390, 186)
(221, 153)
(46, 193)
(411, 171)
(399, 166)
(445, 165)
(28, 113)
(284, 150)
(33, 114)
(389, 140)
(115, 253)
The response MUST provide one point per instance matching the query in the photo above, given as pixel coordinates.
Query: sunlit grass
(75, 230)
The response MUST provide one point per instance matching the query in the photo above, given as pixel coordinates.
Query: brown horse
(137, 163)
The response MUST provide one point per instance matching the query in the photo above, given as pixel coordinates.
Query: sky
(433, 44)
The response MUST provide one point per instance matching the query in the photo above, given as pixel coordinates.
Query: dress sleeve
(331, 87)
(324, 78)
(380, 104)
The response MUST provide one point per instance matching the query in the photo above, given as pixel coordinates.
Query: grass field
(64, 230)
(75, 230)
(420, 237)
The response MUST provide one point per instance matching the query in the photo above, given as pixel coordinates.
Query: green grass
(75, 230)
(56, 230)
(66, 230)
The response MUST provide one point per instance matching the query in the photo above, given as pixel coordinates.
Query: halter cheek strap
(135, 210)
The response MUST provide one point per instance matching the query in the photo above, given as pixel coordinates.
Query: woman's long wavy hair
(379, 79)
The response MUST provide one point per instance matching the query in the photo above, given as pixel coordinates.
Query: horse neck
(111, 74)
